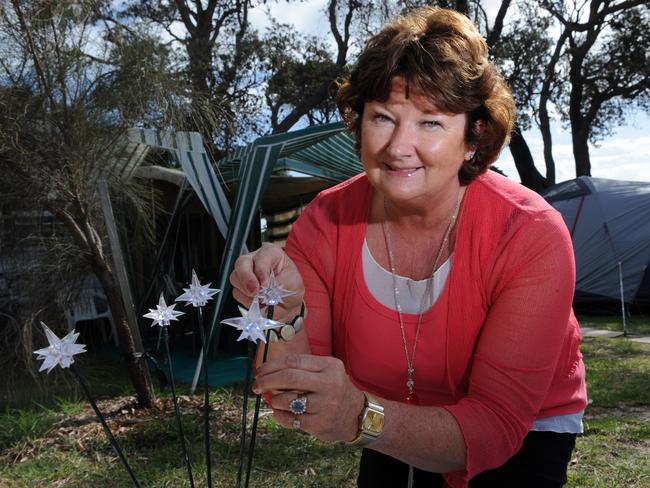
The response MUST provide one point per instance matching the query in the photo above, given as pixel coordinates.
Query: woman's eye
(431, 123)
(382, 118)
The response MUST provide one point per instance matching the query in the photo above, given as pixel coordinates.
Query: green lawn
(615, 448)
(39, 448)
(636, 325)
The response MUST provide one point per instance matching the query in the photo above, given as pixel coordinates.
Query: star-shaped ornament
(163, 314)
(60, 352)
(273, 293)
(252, 324)
(197, 294)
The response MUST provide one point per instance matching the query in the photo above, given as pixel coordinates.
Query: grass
(637, 325)
(615, 448)
(36, 451)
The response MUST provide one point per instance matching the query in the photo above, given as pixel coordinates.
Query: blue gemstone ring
(298, 405)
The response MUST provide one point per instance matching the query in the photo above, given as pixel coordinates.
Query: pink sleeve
(530, 290)
(310, 246)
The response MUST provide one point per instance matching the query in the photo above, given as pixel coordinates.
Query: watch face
(373, 422)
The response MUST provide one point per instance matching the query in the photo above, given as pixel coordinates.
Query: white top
(411, 292)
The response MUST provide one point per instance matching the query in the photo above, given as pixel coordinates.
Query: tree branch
(71, 224)
(185, 12)
(45, 86)
(497, 28)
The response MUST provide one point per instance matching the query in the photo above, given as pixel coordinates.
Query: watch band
(289, 331)
(371, 422)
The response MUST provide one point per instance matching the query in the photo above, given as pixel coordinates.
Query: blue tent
(609, 222)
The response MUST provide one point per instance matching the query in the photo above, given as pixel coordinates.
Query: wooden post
(119, 265)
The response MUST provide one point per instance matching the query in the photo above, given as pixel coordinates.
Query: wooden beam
(119, 264)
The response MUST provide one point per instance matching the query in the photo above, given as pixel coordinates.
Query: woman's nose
(401, 143)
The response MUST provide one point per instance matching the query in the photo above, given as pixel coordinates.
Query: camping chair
(90, 304)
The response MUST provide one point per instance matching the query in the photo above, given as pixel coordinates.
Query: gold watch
(371, 422)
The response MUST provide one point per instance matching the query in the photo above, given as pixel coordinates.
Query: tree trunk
(579, 123)
(545, 129)
(87, 238)
(580, 139)
(530, 177)
(200, 55)
(136, 366)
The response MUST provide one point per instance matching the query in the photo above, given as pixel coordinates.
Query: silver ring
(298, 405)
(296, 424)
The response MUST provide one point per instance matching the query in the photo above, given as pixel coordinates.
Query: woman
(439, 331)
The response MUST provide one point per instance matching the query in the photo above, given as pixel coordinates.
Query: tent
(325, 151)
(609, 222)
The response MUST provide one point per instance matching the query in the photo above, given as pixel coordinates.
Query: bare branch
(186, 15)
(497, 28)
(45, 86)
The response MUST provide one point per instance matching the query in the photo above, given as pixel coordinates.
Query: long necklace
(412, 397)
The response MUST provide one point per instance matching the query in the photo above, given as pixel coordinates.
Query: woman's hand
(252, 272)
(333, 402)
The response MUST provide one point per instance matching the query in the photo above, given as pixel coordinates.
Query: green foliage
(298, 66)
(522, 52)
(18, 425)
(616, 73)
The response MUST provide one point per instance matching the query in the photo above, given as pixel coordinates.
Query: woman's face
(412, 151)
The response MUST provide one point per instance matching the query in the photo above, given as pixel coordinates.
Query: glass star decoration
(273, 293)
(252, 324)
(197, 294)
(163, 314)
(60, 352)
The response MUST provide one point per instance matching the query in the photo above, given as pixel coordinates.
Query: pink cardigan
(498, 349)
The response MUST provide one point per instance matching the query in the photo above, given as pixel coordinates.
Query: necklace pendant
(412, 399)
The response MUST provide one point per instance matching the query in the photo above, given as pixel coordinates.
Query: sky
(624, 156)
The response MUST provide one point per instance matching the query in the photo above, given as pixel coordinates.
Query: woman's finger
(243, 277)
(266, 259)
(282, 401)
(285, 380)
(291, 421)
(290, 380)
(242, 298)
(306, 362)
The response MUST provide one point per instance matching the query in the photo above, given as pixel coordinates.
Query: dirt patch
(641, 412)
(122, 416)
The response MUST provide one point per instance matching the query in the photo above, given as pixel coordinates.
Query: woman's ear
(479, 127)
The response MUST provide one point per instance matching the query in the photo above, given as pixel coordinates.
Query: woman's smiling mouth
(394, 171)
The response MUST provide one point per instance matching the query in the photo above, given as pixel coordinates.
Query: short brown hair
(440, 53)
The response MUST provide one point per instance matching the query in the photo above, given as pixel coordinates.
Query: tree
(65, 107)
(303, 72)
(298, 66)
(232, 66)
(519, 49)
(522, 53)
(605, 72)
